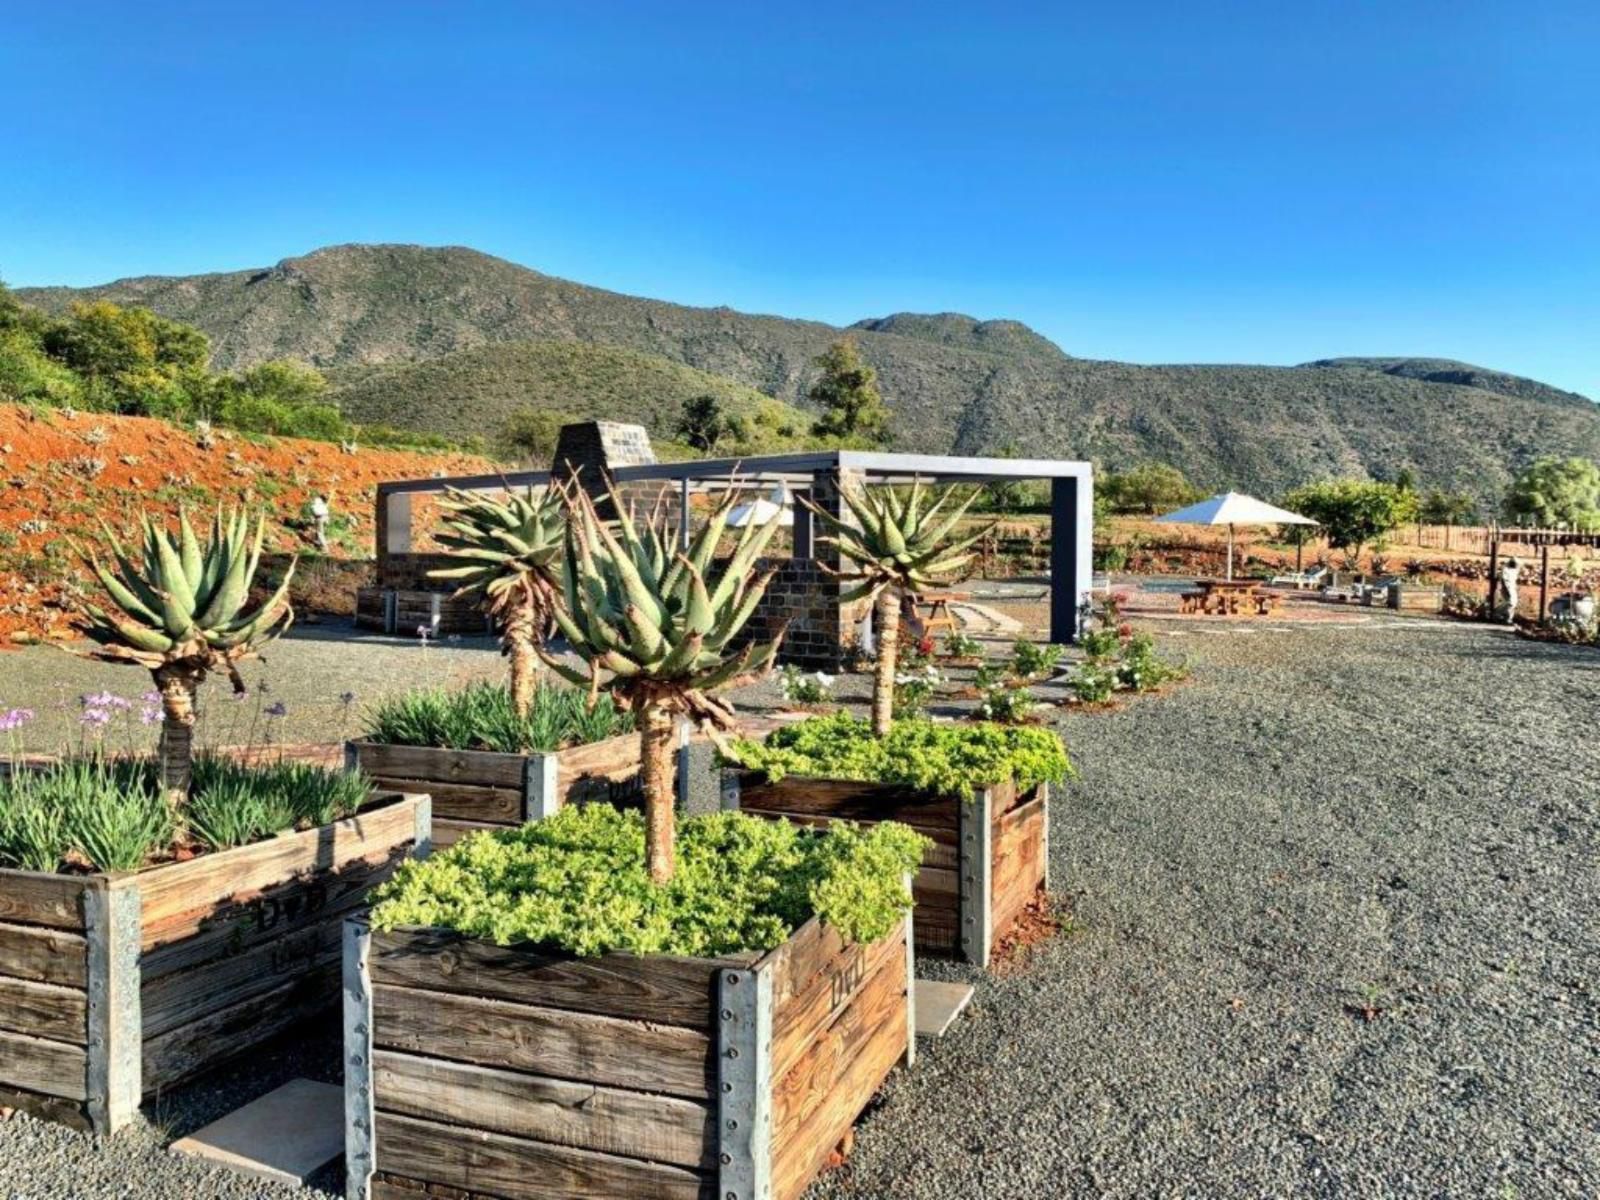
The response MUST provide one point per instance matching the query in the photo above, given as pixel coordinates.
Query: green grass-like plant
(943, 759)
(578, 882)
(482, 716)
(111, 814)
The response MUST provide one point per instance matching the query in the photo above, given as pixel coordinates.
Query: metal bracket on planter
(976, 838)
(111, 912)
(540, 778)
(730, 789)
(1044, 832)
(360, 1146)
(744, 1085)
(911, 990)
(391, 610)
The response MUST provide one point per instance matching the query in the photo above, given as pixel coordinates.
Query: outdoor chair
(1300, 580)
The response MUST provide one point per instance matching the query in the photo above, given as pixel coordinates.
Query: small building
(803, 593)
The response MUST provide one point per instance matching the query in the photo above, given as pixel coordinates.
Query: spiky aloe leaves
(896, 540)
(502, 547)
(656, 623)
(180, 600)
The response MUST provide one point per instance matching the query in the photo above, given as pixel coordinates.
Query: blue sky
(1161, 182)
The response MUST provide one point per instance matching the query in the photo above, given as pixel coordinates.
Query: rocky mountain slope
(954, 383)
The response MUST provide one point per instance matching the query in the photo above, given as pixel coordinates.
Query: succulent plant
(896, 546)
(509, 553)
(182, 612)
(657, 629)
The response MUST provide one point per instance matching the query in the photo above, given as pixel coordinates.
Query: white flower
(824, 679)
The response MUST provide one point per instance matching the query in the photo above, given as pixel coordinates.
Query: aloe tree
(897, 547)
(655, 626)
(182, 612)
(510, 555)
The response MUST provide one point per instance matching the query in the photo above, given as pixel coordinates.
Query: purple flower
(103, 700)
(94, 716)
(424, 632)
(151, 714)
(276, 709)
(151, 697)
(15, 718)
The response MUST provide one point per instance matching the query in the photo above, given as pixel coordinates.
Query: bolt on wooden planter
(990, 856)
(474, 1070)
(113, 986)
(478, 789)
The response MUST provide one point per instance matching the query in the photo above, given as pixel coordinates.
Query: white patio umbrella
(1234, 508)
(774, 506)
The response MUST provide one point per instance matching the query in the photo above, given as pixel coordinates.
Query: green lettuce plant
(579, 882)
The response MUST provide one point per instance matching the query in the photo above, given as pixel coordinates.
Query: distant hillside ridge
(954, 383)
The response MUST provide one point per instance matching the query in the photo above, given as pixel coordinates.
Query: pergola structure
(802, 594)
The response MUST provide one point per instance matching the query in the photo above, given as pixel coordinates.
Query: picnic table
(1229, 598)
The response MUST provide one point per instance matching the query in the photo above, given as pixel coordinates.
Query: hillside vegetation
(472, 391)
(953, 383)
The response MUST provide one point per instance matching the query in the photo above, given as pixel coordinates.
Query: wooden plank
(661, 988)
(448, 833)
(462, 801)
(41, 1065)
(818, 1100)
(252, 920)
(50, 1108)
(477, 767)
(32, 898)
(813, 1004)
(545, 1041)
(43, 955)
(211, 880)
(605, 772)
(610, 1120)
(224, 1034)
(180, 997)
(521, 1169)
(44, 1010)
(851, 800)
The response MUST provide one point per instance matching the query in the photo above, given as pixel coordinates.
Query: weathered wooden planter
(476, 789)
(113, 987)
(473, 1070)
(989, 859)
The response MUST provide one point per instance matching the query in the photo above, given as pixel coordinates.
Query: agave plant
(182, 613)
(656, 629)
(510, 556)
(897, 547)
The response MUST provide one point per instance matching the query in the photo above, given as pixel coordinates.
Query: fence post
(1544, 581)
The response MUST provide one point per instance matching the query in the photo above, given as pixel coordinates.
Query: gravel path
(1332, 933)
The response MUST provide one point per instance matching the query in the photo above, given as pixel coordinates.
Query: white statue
(1509, 570)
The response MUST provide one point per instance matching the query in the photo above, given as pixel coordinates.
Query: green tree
(702, 423)
(281, 397)
(847, 393)
(1440, 507)
(532, 434)
(1557, 491)
(1148, 488)
(131, 360)
(1353, 512)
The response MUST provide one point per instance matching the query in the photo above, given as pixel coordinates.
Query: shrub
(1142, 669)
(578, 882)
(1033, 662)
(942, 759)
(1008, 706)
(914, 689)
(1101, 645)
(801, 688)
(481, 716)
(959, 645)
(1091, 683)
(111, 813)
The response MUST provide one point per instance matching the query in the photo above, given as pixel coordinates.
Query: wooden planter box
(991, 854)
(115, 986)
(476, 789)
(473, 1070)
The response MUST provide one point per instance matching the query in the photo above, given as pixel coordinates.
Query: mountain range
(449, 339)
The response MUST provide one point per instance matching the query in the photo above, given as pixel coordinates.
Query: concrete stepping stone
(285, 1136)
(939, 1004)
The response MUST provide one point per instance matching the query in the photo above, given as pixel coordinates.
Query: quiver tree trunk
(658, 770)
(888, 653)
(521, 634)
(175, 750)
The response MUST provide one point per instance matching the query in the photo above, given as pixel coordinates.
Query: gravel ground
(1331, 932)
